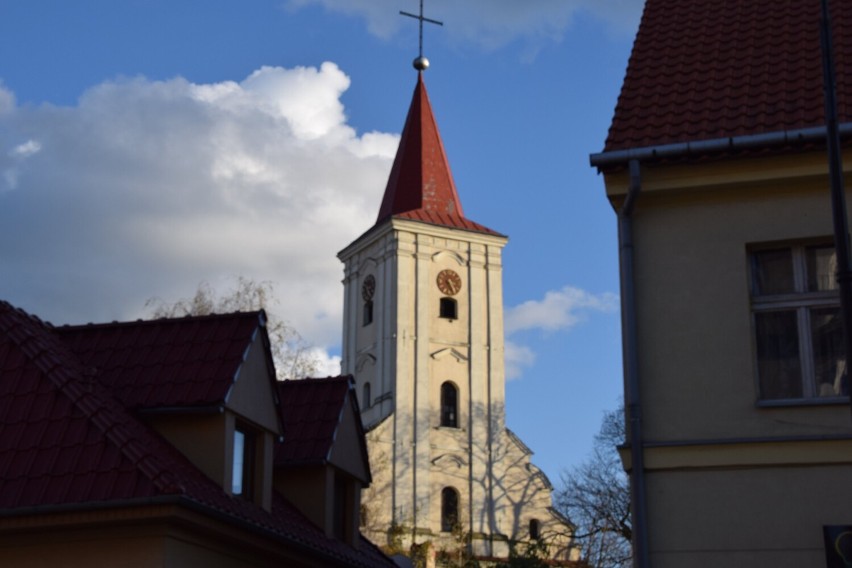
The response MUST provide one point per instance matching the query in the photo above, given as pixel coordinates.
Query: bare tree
(292, 356)
(595, 496)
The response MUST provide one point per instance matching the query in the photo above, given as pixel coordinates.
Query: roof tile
(311, 410)
(188, 361)
(722, 68)
(420, 186)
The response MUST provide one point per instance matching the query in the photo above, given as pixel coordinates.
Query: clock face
(449, 282)
(368, 288)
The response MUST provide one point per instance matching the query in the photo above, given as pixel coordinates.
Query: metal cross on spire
(421, 63)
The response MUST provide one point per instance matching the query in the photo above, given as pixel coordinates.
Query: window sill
(791, 402)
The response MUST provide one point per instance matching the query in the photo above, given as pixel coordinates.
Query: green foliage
(395, 534)
(459, 556)
(531, 555)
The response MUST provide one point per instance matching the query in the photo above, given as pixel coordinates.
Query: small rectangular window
(449, 308)
(243, 463)
(797, 325)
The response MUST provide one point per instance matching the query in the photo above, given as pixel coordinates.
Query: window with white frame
(796, 321)
(242, 473)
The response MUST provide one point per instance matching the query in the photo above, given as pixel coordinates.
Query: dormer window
(449, 308)
(242, 480)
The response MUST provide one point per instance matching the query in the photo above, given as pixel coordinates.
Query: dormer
(321, 466)
(206, 384)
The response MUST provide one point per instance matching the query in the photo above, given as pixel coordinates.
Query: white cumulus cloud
(517, 358)
(147, 188)
(559, 309)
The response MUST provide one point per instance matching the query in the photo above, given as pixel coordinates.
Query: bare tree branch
(291, 354)
(595, 496)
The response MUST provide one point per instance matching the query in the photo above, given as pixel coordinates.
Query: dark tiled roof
(421, 186)
(190, 361)
(65, 441)
(710, 69)
(62, 438)
(311, 412)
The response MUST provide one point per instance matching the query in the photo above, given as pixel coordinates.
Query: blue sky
(147, 146)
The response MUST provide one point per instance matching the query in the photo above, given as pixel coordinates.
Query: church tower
(423, 337)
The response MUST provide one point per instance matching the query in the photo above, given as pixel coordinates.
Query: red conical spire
(421, 186)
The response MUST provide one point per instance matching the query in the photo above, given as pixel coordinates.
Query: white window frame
(802, 301)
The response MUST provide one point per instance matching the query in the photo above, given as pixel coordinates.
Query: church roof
(713, 69)
(421, 186)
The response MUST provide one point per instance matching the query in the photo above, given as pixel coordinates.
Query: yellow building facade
(739, 429)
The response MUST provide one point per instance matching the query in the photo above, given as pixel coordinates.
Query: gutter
(815, 134)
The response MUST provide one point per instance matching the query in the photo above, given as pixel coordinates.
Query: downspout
(838, 193)
(632, 403)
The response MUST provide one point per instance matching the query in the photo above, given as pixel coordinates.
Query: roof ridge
(163, 319)
(63, 369)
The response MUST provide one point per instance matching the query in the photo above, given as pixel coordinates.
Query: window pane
(829, 359)
(449, 509)
(773, 272)
(778, 355)
(449, 405)
(822, 265)
(239, 457)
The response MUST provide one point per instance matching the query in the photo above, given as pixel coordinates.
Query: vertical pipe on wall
(630, 353)
(838, 194)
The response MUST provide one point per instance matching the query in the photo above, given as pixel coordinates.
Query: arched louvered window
(449, 405)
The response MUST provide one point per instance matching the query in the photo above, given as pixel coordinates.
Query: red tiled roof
(713, 69)
(421, 186)
(311, 413)
(65, 441)
(190, 361)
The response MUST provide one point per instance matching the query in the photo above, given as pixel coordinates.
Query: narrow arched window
(368, 289)
(449, 509)
(449, 308)
(535, 529)
(366, 396)
(449, 405)
(367, 318)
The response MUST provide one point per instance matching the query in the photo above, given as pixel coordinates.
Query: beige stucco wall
(746, 517)
(153, 537)
(203, 438)
(731, 482)
(251, 396)
(693, 303)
